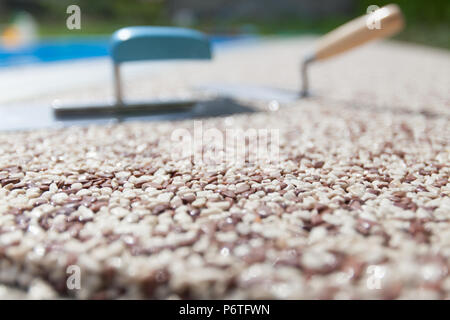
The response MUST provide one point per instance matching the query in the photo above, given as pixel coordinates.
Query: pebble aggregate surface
(357, 205)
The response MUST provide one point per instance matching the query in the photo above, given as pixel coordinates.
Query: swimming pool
(58, 49)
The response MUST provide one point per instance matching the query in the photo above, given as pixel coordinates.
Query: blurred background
(428, 21)
(34, 32)
(40, 25)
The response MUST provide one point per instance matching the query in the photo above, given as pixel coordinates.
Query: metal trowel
(384, 22)
(168, 43)
(137, 44)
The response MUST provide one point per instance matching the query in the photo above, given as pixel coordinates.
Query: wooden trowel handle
(381, 23)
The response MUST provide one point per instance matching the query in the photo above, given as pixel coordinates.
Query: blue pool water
(68, 49)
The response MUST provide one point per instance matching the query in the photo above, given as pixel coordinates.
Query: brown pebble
(405, 203)
(160, 208)
(96, 206)
(318, 164)
(188, 198)
(441, 182)
(322, 208)
(5, 182)
(316, 220)
(418, 231)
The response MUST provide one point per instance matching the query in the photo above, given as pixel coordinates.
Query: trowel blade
(39, 116)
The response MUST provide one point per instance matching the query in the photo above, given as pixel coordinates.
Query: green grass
(88, 28)
(437, 35)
